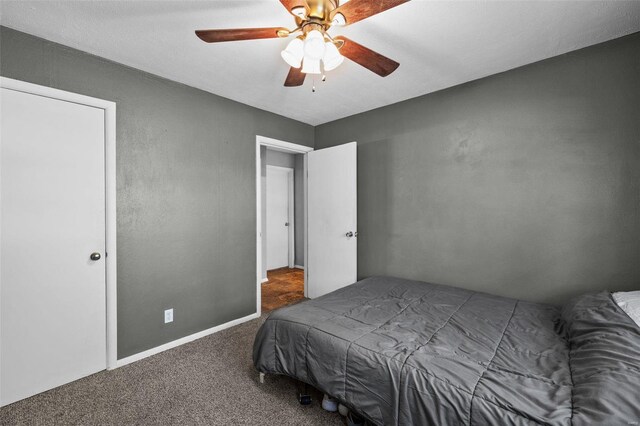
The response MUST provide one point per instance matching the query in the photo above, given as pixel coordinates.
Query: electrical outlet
(168, 315)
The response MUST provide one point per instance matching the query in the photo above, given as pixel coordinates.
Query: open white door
(332, 202)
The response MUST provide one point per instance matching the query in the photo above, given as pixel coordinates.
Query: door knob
(286, 224)
(349, 234)
(95, 256)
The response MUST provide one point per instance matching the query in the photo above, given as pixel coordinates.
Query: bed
(403, 352)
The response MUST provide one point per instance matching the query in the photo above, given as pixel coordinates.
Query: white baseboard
(264, 280)
(182, 341)
(298, 266)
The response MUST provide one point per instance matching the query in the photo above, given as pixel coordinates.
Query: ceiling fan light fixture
(293, 53)
(311, 66)
(314, 51)
(332, 57)
(314, 47)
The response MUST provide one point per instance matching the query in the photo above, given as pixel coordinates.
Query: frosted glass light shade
(332, 57)
(294, 52)
(300, 12)
(339, 20)
(314, 47)
(311, 66)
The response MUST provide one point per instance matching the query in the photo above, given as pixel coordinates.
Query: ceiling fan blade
(290, 4)
(366, 57)
(294, 78)
(357, 10)
(216, 36)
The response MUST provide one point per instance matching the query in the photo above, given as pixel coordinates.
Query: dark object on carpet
(404, 352)
(210, 381)
(305, 399)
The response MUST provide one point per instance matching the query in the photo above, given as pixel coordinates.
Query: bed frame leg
(261, 378)
(304, 398)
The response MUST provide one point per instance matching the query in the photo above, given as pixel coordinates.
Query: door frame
(291, 235)
(110, 196)
(291, 148)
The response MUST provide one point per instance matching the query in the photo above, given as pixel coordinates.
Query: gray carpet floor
(210, 381)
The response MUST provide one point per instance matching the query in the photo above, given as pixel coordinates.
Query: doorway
(57, 286)
(281, 234)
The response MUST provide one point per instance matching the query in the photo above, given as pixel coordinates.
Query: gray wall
(296, 162)
(523, 184)
(185, 189)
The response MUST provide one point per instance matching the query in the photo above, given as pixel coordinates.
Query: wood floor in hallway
(285, 286)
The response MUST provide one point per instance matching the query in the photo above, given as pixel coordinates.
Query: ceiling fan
(314, 49)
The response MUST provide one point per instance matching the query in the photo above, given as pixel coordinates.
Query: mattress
(403, 352)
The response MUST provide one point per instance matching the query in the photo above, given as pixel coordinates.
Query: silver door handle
(95, 256)
(286, 224)
(349, 234)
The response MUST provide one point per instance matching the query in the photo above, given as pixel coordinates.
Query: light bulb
(294, 52)
(332, 58)
(310, 65)
(314, 47)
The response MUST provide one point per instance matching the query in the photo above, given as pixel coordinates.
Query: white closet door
(332, 200)
(52, 294)
(278, 220)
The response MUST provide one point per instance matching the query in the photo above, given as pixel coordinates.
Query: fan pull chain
(323, 79)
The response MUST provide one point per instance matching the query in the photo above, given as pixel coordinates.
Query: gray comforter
(405, 352)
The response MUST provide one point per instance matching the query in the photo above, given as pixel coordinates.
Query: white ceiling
(439, 44)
